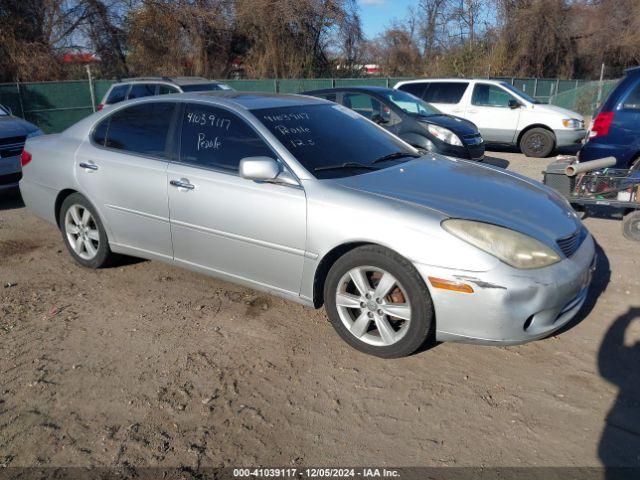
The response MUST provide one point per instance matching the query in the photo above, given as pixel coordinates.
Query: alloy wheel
(82, 232)
(373, 306)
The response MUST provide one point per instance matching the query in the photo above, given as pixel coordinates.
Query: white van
(502, 113)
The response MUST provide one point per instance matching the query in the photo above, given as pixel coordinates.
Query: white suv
(502, 113)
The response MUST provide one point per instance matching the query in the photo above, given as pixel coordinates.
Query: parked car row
(315, 201)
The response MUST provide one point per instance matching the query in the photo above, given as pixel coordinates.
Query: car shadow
(618, 363)
(11, 199)
(496, 162)
(569, 150)
(599, 283)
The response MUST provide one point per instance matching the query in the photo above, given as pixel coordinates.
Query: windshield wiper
(346, 165)
(396, 156)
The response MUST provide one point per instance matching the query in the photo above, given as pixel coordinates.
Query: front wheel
(377, 302)
(537, 143)
(83, 232)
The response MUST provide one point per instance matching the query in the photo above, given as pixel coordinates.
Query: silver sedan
(308, 200)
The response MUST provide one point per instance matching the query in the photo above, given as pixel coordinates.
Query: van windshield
(520, 93)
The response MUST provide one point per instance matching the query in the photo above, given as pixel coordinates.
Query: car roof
(249, 100)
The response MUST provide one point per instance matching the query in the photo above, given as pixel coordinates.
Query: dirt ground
(149, 365)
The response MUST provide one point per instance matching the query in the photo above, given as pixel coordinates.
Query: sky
(377, 14)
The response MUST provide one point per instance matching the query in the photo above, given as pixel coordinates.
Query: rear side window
(365, 105)
(141, 129)
(139, 90)
(632, 102)
(445, 92)
(117, 94)
(166, 89)
(416, 89)
(485, 95)
(215, 138)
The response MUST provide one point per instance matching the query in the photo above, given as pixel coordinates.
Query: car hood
(11, 126)
(542, 107)
(457, 125)
(461, 189)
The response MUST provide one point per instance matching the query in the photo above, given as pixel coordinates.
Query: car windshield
(410, 104)
(332, 141)
(203, 87)
(520, 93)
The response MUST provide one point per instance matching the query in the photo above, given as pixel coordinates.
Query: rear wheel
(83, 232)
(537, 143)
(377, 302)
(631, 226)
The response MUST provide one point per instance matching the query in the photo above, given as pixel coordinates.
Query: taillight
(100, 106)
(601, 125)
(25, 158)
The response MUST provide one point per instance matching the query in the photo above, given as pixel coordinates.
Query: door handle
(182, 183)
(88, 166)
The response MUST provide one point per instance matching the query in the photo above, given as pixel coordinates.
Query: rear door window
(117, 94)
(218, 139)
(632, 102)
(445, 92)
(141, 129)
(327, 96)
(364, 104)
(139, 90)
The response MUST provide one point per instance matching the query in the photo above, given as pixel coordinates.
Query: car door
(227, 225)
(448, 97)
(122, 167)
(490, 110)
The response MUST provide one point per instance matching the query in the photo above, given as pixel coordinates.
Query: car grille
(570, 245)
(11, 146)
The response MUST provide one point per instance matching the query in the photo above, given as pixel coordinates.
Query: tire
(631, 226)
(402, 287)
(537, 143)
(80, 224)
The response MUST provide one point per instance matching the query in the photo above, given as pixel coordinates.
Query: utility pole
(600, 84)
(92, 93)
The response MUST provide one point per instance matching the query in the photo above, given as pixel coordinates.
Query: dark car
(615, 131)
(412, 119)
(13, 133)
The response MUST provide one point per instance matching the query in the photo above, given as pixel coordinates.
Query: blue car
(616, 128)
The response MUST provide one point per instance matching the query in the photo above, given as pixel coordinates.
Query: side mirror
(514, 104)
(264, 169)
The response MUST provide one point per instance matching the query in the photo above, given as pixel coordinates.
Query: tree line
(317, 38)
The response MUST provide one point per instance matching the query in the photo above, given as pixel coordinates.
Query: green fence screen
(54, 106)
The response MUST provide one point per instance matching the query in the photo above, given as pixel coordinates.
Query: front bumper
(567, 138)
(10, 172)
(466, 152)
(511, 306)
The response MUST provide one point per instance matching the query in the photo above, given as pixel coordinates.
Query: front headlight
(444, 134)
(513, 248)
(572, 123)
(35, 133)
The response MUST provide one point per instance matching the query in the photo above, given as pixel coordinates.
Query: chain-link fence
(54, 106)
(586, 98)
